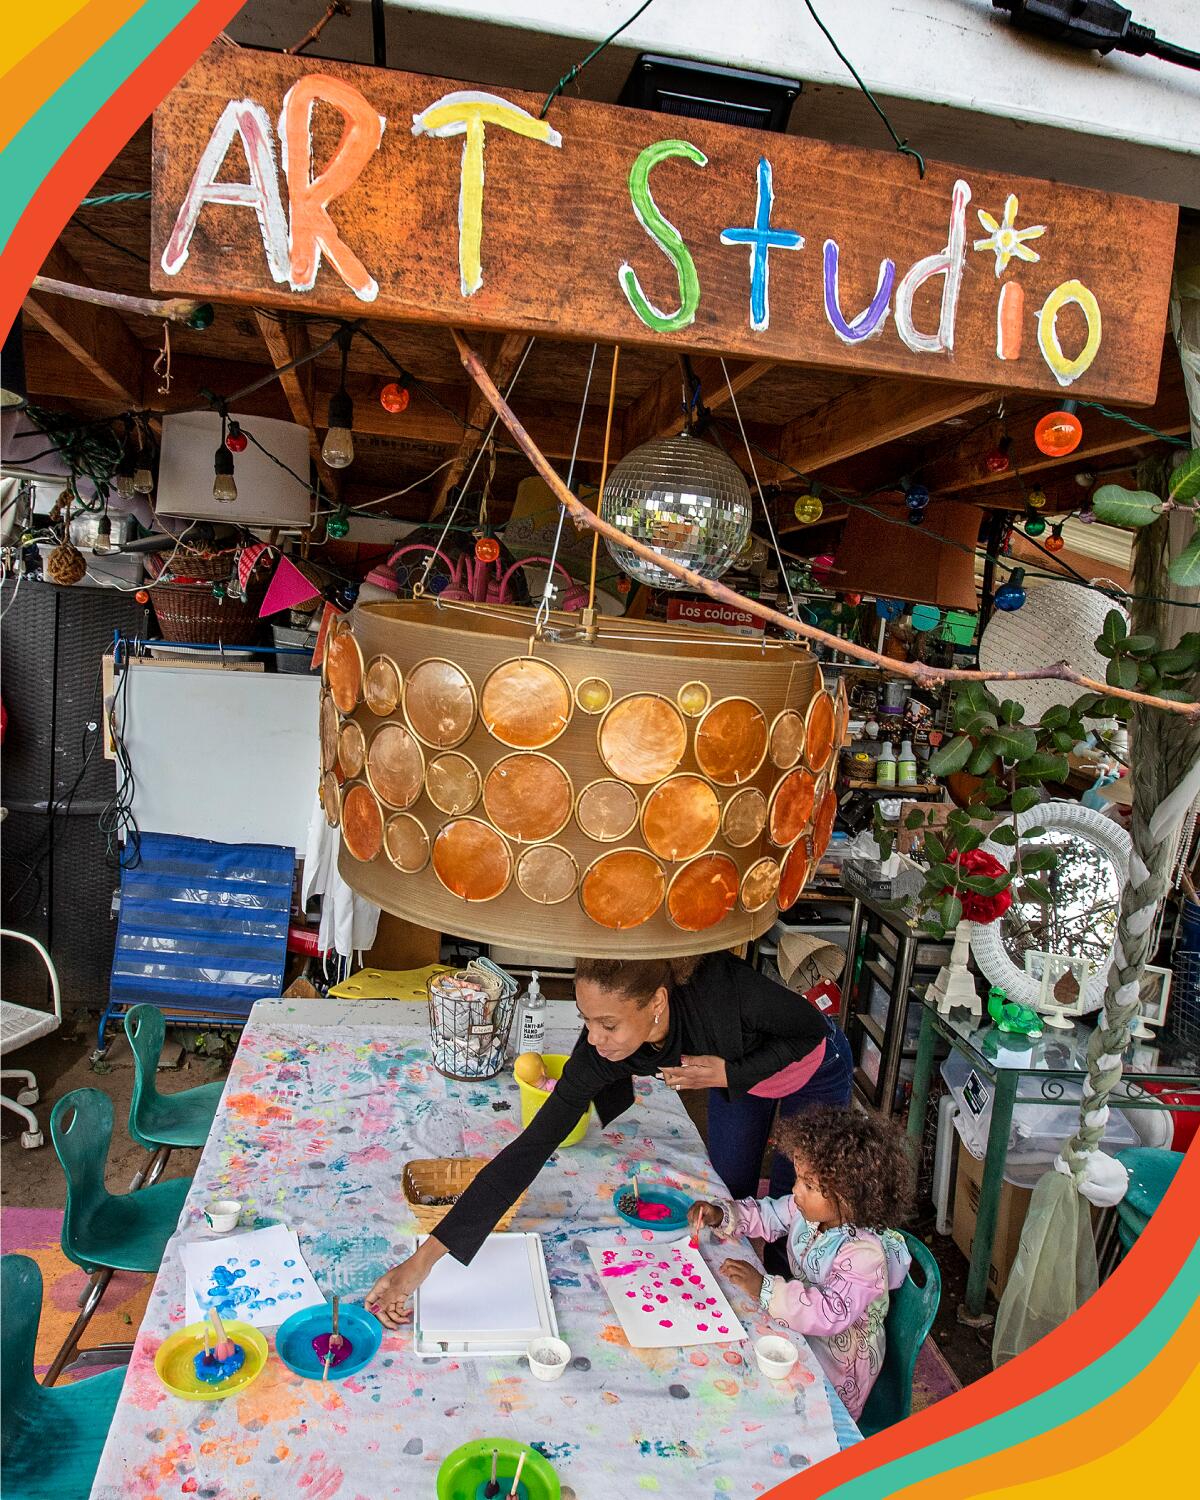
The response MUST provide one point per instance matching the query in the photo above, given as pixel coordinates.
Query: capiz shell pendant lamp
(654, 791)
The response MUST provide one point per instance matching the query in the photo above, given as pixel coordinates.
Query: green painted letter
(666, 237)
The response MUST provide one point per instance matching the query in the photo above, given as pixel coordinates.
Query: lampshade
(272, 486)
(568, 796)
(683, 497)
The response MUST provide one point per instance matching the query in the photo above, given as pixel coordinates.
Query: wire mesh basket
(470, 1017)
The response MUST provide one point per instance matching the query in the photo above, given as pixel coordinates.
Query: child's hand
(703, 1216)
(744, 1277)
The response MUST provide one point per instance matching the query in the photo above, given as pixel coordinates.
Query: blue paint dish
(677, 1205)
(294, 1341)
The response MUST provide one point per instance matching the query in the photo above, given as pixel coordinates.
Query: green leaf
(1185, 569)
(957, 818)
(1114, 628)
(1005, 834)
(1147, 675)
(993, 795)
(1034, 890)
(934, 847)
(1038, 859)
(976, 696)
(1033, 833)
(982, 761)
(1012, 712)
(1044, 767)
(1063, 739)
(1055, 716)
(1184, 483)
(970, 838)
(1013, 743)
(915, 819)
(979, 814)
(942, 875)
(976, 723)
(950, 758)
(1084, 706)
(1179, 662)
(1175, 695)
(1116, 506)
(950, 911)
(1121, 673)
(1024, 798)
(1139, 645)
(934, 929)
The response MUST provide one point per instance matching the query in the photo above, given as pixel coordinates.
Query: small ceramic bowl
(548, 1358)
(223, 1215)
(775, 1356)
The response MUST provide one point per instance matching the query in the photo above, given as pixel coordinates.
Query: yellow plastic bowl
(532, 1099)
(175, 1362)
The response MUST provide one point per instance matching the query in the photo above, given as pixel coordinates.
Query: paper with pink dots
(664, 1295)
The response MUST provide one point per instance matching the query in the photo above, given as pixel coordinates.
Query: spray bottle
(531, 1019)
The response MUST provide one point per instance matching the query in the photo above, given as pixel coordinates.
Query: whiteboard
(229, 756)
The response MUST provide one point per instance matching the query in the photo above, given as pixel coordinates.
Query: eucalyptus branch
(923, 676)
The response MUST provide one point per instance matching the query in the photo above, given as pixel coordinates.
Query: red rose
(981, 908)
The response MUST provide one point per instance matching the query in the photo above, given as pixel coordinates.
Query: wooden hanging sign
(365, 192)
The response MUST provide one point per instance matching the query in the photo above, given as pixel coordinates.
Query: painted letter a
(666, 237)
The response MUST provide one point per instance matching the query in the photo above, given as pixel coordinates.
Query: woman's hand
(389, 1298)
(704, 1216)
(696, 1073)
(744, 1277)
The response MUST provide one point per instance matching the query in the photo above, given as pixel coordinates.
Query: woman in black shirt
(711, 1023)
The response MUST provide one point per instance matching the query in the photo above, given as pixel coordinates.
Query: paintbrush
(224, 1348)
(492, 1488)
(517, 1475)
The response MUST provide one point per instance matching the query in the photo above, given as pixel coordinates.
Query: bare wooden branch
(923, 676)
(175, 309)
(334, 8)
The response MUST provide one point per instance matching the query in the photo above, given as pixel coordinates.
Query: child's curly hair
(859, 1161)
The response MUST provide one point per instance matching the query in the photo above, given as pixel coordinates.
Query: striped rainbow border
(1111, 1401)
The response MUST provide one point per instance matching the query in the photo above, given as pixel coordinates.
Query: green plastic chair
(157, 1120)
(105, 1232)
(910, 1317)
(50, 1440)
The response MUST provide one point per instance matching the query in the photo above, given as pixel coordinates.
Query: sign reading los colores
(434, 203)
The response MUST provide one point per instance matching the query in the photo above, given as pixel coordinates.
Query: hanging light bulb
(1036, 499)
(102, 545)
(394, 397)
(338, 525)
(235, 439)
(201, 317)
(916, 497)
(224, 486)
(1011, 593)
(889, 609)
(1059, 432)
(808, 509)
(997, 460)
(123, 475)
(1034, 525)
(487, 549)
(143, 479)
(1054, 542)
(337, 451)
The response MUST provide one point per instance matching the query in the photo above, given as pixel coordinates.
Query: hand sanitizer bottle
(906, 767)
(885, 766)
(531, 1019)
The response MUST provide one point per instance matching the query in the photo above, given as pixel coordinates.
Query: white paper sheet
(664, 1295)
(493, 1295)
(260, 1277)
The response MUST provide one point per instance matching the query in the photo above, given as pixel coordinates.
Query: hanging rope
(608, 421)
(543, 609)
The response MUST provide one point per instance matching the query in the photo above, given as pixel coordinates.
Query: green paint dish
(465, 1472)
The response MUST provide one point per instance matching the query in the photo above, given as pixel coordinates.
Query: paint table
(324, 1103)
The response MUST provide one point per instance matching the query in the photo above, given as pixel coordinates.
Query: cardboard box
(1010, 1218)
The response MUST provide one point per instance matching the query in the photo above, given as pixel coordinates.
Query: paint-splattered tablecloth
(313, 1130)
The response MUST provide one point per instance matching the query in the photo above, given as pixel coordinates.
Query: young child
(853, 1178)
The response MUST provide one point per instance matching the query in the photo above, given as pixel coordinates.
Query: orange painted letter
(311, 229)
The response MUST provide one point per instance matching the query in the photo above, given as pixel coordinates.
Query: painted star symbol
(1005, 238)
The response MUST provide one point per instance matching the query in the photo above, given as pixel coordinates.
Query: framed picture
(1061, 981)
(1154, 991)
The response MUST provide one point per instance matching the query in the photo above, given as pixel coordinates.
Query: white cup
(223, 1215)
(548, 1358)
(775, 1356)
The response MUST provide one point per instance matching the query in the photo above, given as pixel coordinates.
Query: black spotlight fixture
(704, 91)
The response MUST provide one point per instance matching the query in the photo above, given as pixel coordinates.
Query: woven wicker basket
(189, 612)
(444, 1177)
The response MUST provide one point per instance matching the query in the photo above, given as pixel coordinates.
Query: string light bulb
(916, 497)
(123, 475)
(1034, 525)
(1011, 595)
(143, 479)
(338, 524)
(1036, 499)
(224, 484)
(394, 397)
(1059, 432)
(235, 439)
(487, 549)
(337, 451)
(1054, 542)
(808, 509)
(102, 545)
(997, 460)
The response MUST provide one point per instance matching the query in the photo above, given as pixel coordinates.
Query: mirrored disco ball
(684, 498)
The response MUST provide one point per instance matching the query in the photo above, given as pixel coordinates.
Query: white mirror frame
(987, 945)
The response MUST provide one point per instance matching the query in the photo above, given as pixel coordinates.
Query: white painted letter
(949, 263)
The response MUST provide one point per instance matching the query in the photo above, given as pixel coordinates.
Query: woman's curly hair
(636, 978)
(859, 1161)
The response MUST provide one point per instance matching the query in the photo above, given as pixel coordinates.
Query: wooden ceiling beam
(963, 467)
(96, 337)
(657, 411)
(501, 354)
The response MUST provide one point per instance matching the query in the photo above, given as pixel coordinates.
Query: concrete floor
(33, 1179)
